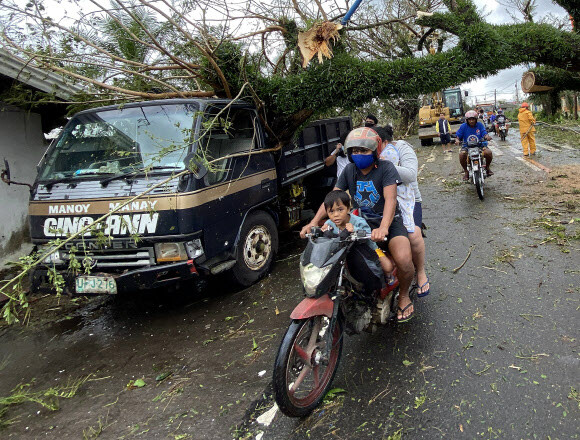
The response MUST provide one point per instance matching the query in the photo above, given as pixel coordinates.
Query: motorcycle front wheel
(302, 376)
(479, 183)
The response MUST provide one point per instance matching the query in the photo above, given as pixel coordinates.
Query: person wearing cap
(372, 184)
(472, 126)
(371, 121)
(527, 129)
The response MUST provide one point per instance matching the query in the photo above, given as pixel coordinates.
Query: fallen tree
(183, 57)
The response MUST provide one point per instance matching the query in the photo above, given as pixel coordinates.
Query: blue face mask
(363, 161)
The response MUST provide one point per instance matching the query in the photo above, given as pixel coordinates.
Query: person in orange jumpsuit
(527, 129)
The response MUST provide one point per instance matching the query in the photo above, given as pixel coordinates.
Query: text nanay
(143, 223)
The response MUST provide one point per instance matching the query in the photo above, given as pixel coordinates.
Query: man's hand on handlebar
(379, 234)
(456, 141)
(487, 137)
(306, 229)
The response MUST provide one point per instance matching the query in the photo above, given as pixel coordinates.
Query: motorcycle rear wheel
(300, 380)
(479, 184)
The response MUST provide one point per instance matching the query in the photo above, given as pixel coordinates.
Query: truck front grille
(131, 258)
(116, 260)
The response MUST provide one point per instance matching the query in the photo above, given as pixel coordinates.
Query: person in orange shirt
(527, 129)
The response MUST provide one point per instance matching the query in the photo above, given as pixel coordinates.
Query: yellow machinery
(449, 102)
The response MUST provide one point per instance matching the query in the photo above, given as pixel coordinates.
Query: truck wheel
(256, 249)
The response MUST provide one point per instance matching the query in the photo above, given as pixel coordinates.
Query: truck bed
(306, 156)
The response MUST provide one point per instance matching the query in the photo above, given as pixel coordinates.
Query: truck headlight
(166, 252)
(194, 248)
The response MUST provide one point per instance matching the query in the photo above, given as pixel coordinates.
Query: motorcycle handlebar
(354, 236)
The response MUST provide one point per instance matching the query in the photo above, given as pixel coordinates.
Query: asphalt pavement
(492, 352)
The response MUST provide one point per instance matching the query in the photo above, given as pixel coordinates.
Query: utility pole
(517, 96)
(575, 106)
(495, 98)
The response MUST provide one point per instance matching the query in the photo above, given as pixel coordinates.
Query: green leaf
(163, 376)
(407, 363)
(139, 383)
(254, 344)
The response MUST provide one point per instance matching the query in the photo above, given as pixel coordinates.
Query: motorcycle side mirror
(195, 166)
(466, 93)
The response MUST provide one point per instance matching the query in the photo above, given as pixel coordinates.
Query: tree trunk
(532, 83)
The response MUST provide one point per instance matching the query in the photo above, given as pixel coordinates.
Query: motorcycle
(335, 303)
(502, 129)
(476, 163)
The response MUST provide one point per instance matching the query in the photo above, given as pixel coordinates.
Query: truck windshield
(118, 141)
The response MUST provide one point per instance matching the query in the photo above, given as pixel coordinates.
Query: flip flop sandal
(465, 178)
(421, 295)
(403, 312)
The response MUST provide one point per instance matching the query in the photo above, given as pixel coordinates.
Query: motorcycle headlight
(312, 276)
(166, 252)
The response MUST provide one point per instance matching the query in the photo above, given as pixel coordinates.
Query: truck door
(234, 183)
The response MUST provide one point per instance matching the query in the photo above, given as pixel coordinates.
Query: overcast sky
(504, 83)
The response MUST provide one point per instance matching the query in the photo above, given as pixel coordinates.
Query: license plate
(96, 284)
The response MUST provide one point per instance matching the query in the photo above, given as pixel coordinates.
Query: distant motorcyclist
(472, 126)
(499, 121)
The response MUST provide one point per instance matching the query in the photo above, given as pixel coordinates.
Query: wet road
(491, 353)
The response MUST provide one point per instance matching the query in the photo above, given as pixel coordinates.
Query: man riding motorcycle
(499, 121)
(472, 126)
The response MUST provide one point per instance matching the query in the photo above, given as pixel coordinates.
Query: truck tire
(426, 142)
(256, 249)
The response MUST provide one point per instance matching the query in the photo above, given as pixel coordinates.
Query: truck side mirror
(195, 166)
(5, 174)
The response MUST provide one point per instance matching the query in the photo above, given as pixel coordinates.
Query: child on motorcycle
(337, 205)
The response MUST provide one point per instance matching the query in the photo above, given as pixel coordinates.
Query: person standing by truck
(371, 121)
(338, 156)
(527, 129)
(442, 127)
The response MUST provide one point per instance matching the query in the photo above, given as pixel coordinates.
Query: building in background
(22, 143)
